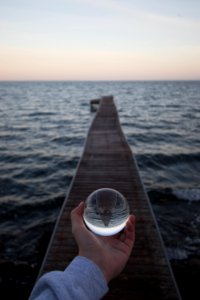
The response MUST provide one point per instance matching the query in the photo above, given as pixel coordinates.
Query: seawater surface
(43, 126)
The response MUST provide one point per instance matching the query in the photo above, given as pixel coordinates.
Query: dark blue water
(43, 126)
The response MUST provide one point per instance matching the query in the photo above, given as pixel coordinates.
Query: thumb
(77, 217)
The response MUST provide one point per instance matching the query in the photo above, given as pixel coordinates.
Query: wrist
(98, 262)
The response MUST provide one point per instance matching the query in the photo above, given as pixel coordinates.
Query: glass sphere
(106, 212)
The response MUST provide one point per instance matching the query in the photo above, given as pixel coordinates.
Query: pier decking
(108, 161)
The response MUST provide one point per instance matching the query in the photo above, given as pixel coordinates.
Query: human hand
(110, 253)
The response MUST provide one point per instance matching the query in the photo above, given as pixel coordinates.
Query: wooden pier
(108, 161)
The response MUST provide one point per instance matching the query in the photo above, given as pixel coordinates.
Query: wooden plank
(108, 161)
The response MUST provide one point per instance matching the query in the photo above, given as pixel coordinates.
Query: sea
(43, 126)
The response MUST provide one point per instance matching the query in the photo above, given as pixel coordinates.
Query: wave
(187, 194)
(40, 113)
(155, 160)
(176, 195)
(24, 224)
(15, 208)
(66, 141)
(178, 220)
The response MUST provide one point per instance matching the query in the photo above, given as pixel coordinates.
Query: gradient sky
(99, 39)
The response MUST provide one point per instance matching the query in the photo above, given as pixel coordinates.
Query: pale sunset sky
(99, 39)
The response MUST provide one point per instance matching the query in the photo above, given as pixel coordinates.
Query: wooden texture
(107, 161)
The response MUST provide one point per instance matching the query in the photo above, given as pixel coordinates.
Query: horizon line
(92, 80)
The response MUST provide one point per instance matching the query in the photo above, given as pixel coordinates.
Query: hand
(109, 253)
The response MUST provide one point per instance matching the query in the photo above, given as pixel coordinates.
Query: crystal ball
(106, 212)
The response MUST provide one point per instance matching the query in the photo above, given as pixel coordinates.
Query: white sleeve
(82, 279)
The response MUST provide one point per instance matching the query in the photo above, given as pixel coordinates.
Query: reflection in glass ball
(106, 212)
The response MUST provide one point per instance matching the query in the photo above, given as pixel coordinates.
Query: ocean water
(43, 126)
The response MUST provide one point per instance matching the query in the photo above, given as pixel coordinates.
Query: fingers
(128, 235)
(130, 231)
(130, 225)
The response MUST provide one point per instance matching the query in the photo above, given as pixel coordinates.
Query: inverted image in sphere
(106, 211)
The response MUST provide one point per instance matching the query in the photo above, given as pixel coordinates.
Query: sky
(100, 40)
